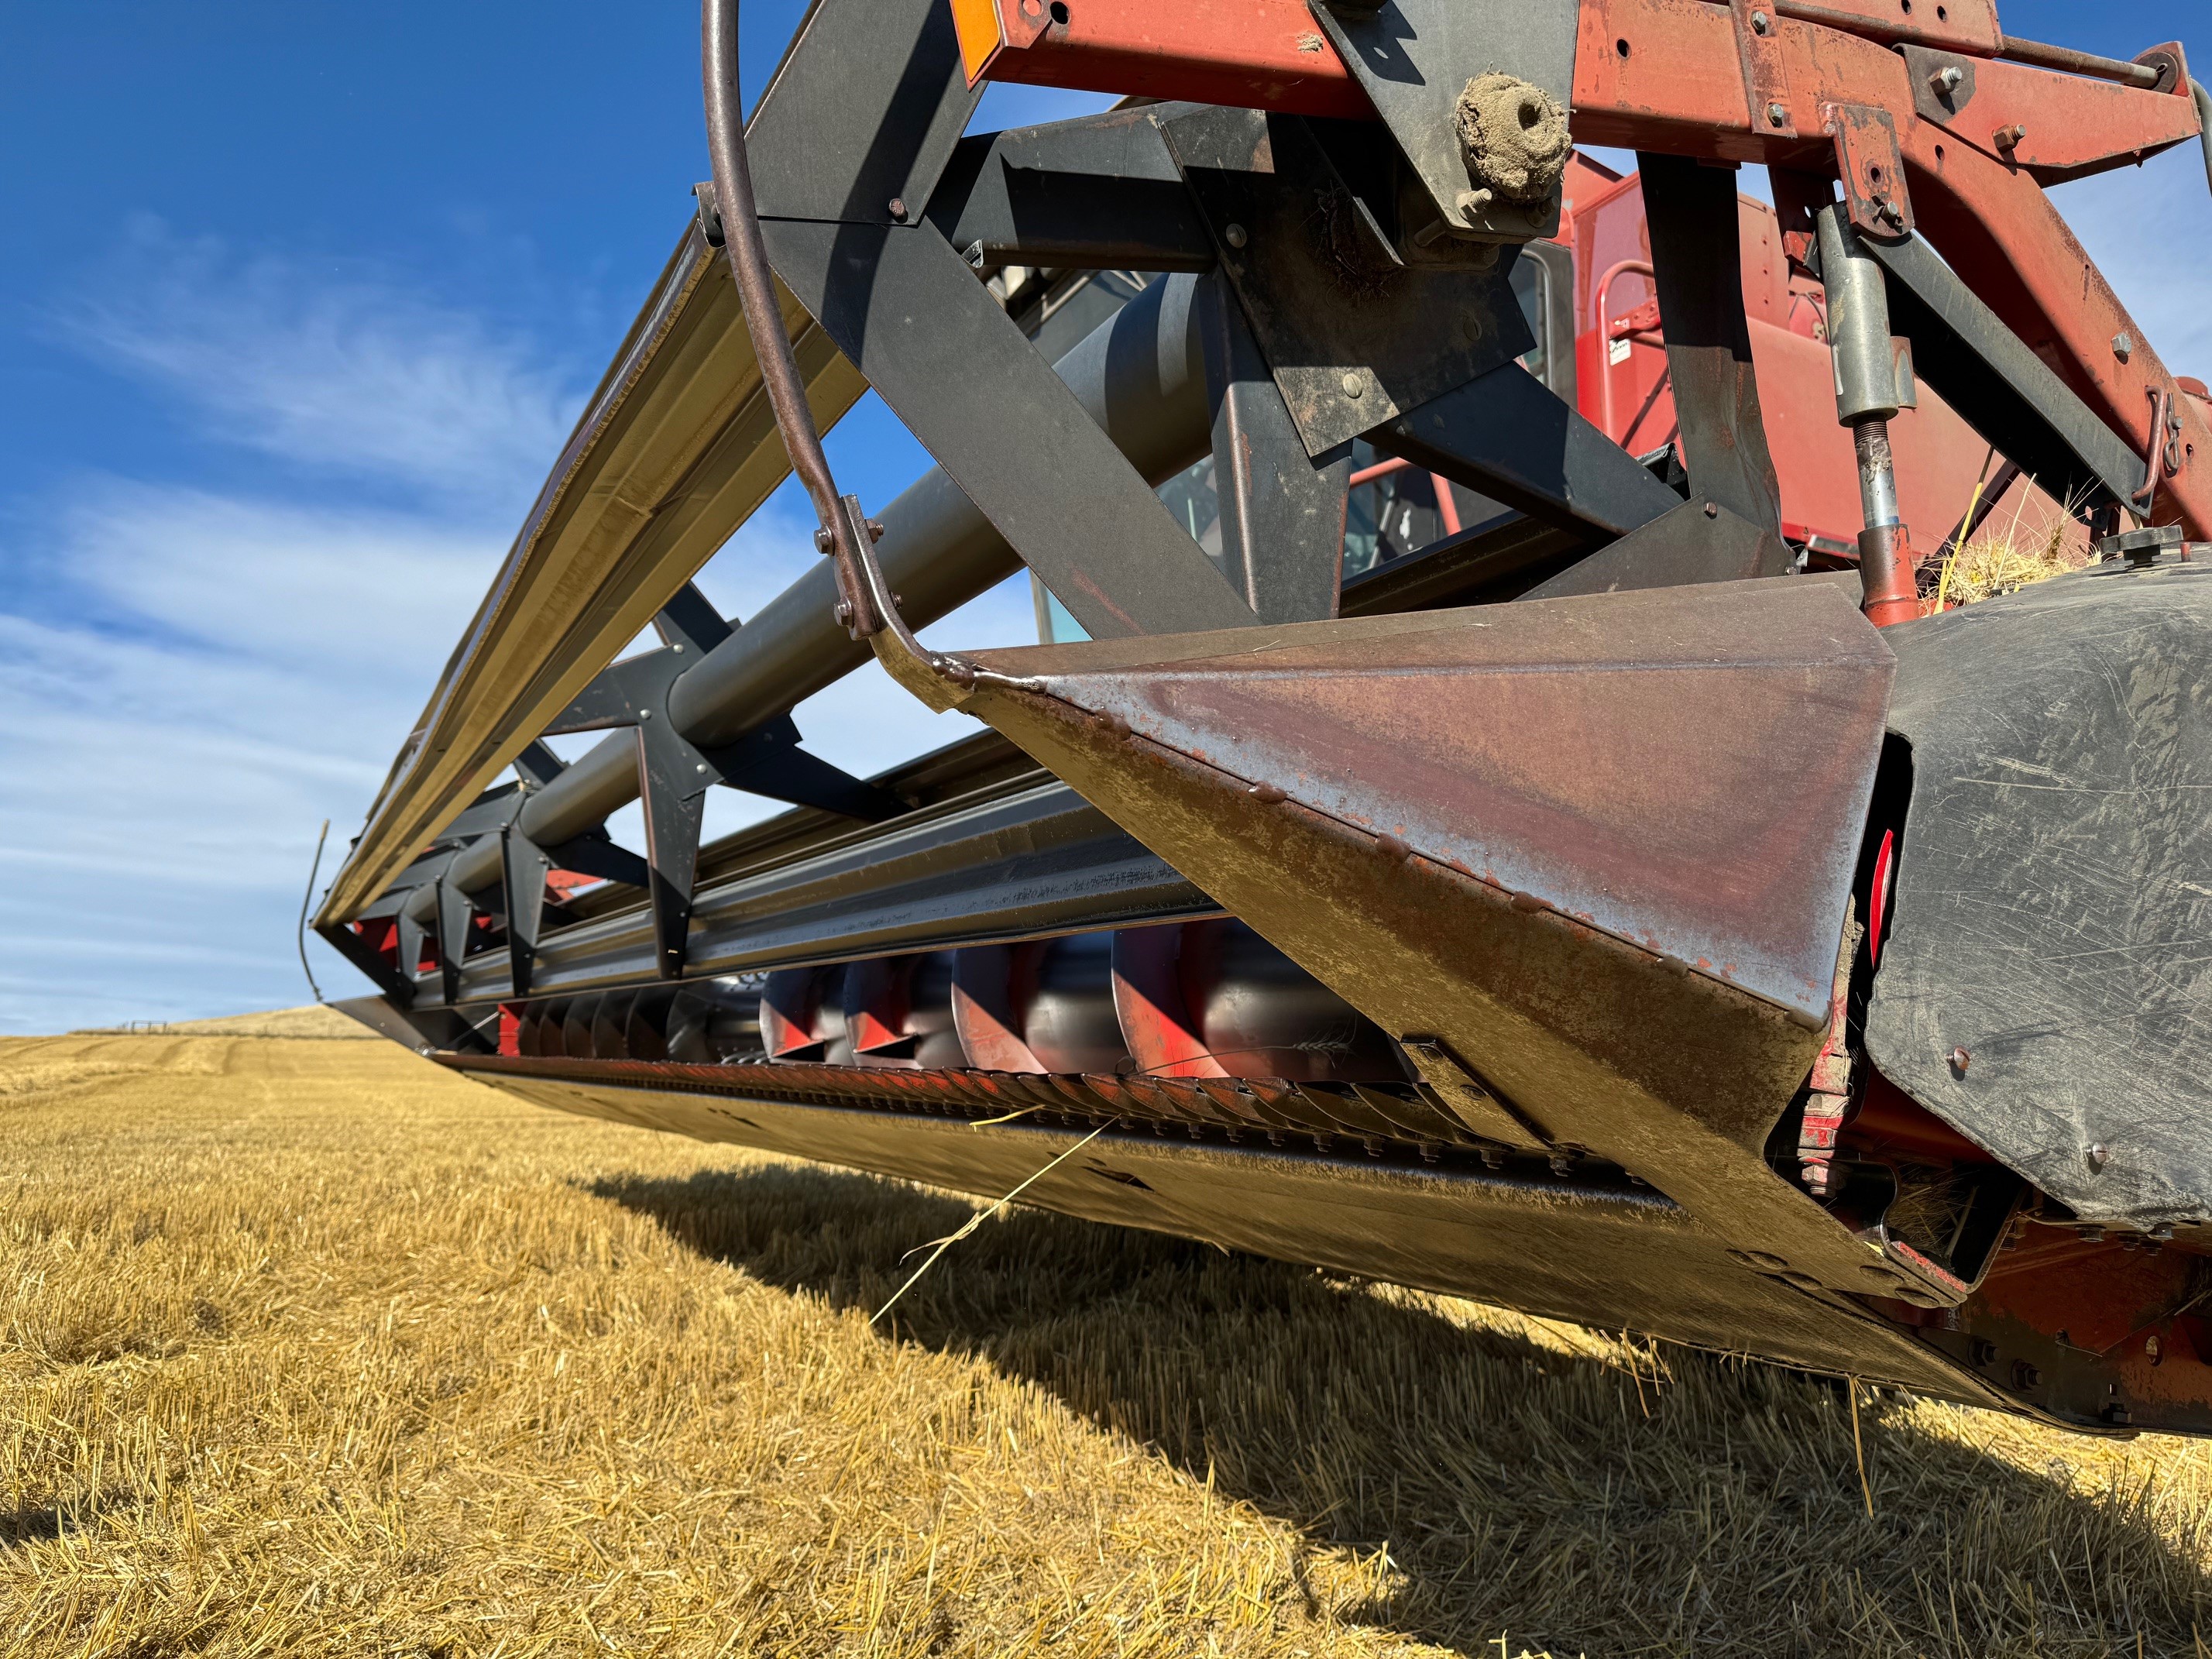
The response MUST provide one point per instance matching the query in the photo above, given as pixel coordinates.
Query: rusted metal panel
(1649, 768)
(1600, 849)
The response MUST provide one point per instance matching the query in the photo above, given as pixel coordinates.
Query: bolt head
(1776, 115)
(1234, 236)
(1354, 387)
(2100, 1155)
(897, 206)
(1959, 1060)
(1760, 22)
(1712, 509)
(824, 541)
(2124, 346)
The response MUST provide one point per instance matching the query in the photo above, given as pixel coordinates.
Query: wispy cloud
(336, 368)
(191, 679)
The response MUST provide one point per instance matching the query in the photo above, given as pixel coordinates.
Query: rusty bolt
(898, 209)
(1234, 236)
(1946, 79)
(2025, 1376)
(2153, 1350)
(1776, 115)
(1959, 1060)
(2008, 137)
(1760, 22)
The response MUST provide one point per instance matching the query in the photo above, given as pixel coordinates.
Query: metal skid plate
(1354, 341)
(1604, 1253)
(2054, 887)
(1600, 849)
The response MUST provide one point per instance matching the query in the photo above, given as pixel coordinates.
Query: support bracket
(1413, 59)
(1281, 511)
(674, 775)
(1354, 335)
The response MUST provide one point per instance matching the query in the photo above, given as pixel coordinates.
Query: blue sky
(299, 303)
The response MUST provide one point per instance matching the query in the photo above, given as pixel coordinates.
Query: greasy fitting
(1513, 136)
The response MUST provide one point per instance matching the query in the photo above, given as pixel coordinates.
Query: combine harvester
(1594, 882)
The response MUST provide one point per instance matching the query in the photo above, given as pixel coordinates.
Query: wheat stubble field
(308, 1347)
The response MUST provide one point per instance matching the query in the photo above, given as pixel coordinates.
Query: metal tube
(1867, 395)
(1140, 374)
(2202, 99)
(1877, 473)
(1858, 323)
(2072, 61)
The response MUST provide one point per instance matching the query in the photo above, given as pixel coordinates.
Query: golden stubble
(307, 1347)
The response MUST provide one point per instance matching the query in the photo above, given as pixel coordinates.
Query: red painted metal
(992, 986)
(1884, 862)
(1265, 54)
(1164, 1038)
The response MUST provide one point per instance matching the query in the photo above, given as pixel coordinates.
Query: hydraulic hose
(741, 235)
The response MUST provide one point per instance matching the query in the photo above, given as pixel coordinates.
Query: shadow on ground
(1717, 1510)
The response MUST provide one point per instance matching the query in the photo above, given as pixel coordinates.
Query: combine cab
(1501, 803)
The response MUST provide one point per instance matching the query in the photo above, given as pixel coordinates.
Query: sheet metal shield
(2053, 895)
(1686, 769)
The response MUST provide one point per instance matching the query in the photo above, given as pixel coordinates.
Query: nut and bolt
(1777, 116)
(898, 209)
(1946, 79)
(824, 541)
(1760, 22)
(1234, 236)
(843, 613)
(2008, 137)
(2124, 346)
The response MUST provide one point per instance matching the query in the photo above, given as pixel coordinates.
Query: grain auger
(1502, 802)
